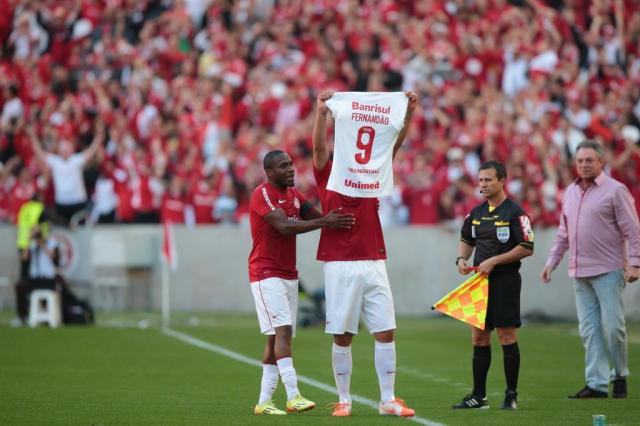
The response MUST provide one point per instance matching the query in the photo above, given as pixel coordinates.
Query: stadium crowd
(174, 103)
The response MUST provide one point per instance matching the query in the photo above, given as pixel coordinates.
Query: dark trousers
(24, 266)
(151, 216)
(108, 217)
(66, 211)
(24, 287)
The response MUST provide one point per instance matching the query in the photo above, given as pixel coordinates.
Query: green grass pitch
(132, 376)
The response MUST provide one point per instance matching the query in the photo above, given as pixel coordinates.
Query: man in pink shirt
(599, 226)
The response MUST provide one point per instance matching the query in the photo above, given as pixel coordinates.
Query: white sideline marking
(309, 381)
(441, 380)
(430, 376)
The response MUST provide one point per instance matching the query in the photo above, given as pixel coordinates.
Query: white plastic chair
(45, 308)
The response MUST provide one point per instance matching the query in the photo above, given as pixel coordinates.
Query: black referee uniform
(493, 232)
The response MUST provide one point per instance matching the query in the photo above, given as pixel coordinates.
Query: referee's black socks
(481, 363)
(511, 365)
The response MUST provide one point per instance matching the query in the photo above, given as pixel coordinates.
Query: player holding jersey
(277, 213)
(354, 272)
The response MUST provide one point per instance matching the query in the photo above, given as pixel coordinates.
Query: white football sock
(385, 360)
(269, 382)
(288, 377)
(342, 365)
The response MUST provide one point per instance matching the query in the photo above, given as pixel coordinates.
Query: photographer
(42, 256)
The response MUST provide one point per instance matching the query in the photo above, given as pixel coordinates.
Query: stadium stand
(193, 92)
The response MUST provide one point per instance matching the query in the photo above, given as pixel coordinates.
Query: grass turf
(119, 376)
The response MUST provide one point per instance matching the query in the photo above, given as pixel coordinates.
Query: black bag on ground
(74, 310)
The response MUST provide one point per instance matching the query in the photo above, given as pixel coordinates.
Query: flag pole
(166, 314)
(170, 262)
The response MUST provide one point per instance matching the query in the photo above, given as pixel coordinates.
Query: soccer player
(500, 232)
(355, 277)
(278, 213)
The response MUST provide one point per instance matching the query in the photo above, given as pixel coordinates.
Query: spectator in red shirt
(147, 192)
(422, 196)
(7, 182)
(58, 23)
(23, 190)
(203, 195)
(174, 207)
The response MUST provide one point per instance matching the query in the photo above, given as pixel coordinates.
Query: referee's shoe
(472, 401)
(510, 400)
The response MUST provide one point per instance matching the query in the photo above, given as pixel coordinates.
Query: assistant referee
(500, 232)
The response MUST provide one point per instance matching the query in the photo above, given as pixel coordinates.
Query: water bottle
(599, 420)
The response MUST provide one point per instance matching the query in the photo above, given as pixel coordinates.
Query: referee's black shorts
(503, 309)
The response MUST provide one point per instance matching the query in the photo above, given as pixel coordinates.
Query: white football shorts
(276, 303)
(358, 287)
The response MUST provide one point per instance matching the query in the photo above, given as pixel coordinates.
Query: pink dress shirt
(594, 226)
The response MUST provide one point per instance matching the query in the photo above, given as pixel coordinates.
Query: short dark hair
(589, 144)
(501, 171)
(269, 159)
(14, 90)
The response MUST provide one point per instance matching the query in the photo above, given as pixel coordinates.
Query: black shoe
(619, 388)
(587, 392)
(472, 401)
(510, 400)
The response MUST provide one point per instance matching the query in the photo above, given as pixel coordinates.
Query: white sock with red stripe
(342, 365)
(269, 382)
(288, 376)
(385, 360)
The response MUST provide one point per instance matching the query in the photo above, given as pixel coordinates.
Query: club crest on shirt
(503, 234)
(527, 232)
(296, 202)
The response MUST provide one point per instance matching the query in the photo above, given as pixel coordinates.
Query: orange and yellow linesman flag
(468, 302)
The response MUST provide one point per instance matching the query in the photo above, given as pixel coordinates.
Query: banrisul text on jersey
(366, 128)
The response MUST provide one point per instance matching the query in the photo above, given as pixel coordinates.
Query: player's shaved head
(279, 168)
(271, 158)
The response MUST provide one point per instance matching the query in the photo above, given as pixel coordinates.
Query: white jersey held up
(367, 126)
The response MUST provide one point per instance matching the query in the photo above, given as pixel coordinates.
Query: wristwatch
(458, 259)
